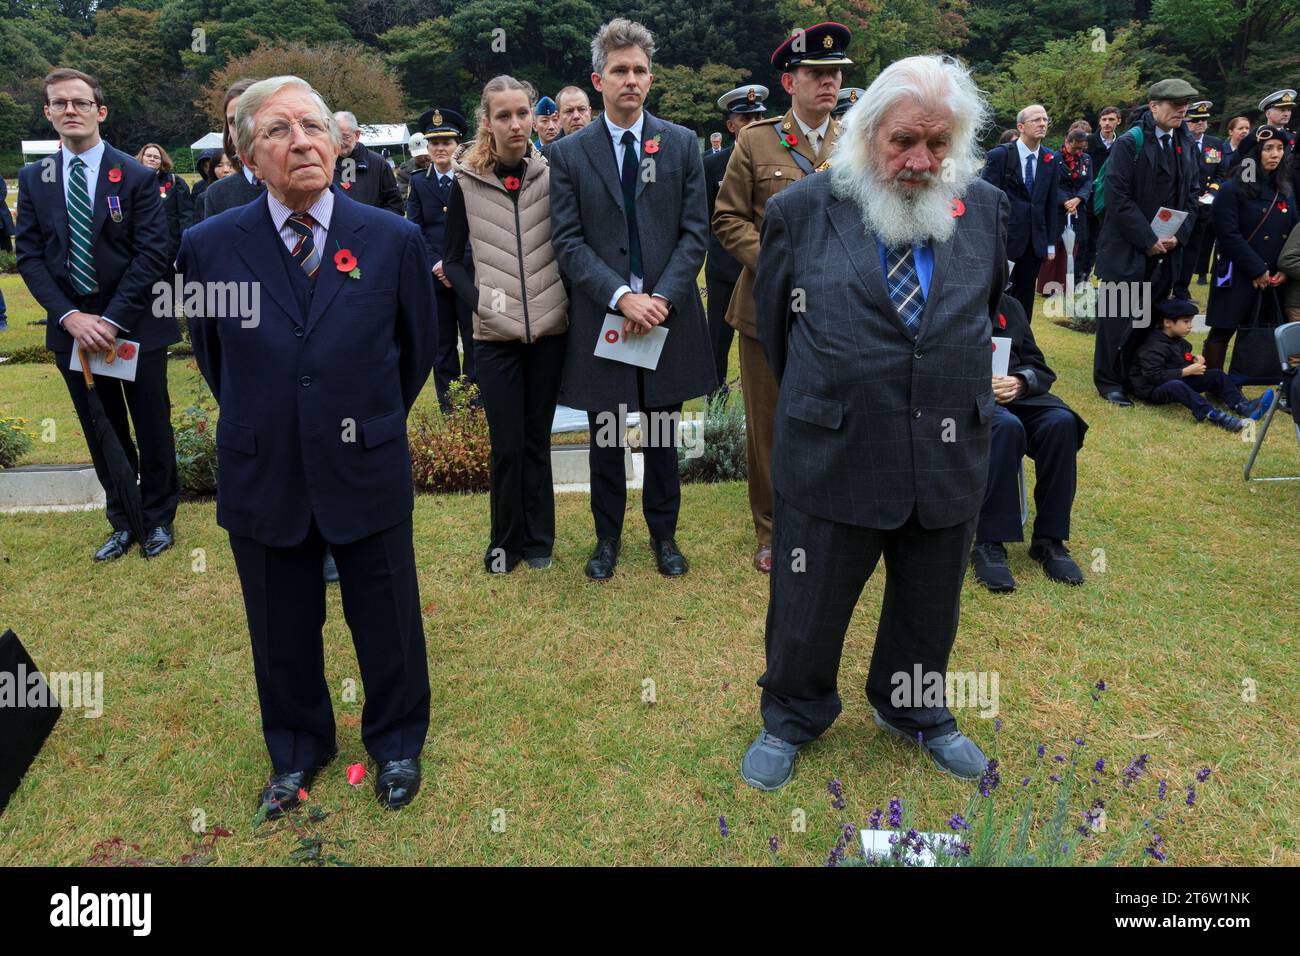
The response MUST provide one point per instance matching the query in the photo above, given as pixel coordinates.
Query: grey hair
(349, 118)
(256, 96)
(619, 34)
(933, 81)
(1020, 117)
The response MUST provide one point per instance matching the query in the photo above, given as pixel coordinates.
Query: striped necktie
(81, 256)
(304, 251)
(905, 286)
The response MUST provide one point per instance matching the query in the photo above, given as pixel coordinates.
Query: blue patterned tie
(1029, 174)
(81, 256)
(304, 251)
(905, 286)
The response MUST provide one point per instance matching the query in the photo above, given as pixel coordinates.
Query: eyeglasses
(281, 130)
(81, 106)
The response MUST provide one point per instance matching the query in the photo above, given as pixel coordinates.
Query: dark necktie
(81, 257)
(905, 286)
(304, 251)
(1029, 174)
(628, 179)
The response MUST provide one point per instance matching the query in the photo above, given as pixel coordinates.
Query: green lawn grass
(538, 677)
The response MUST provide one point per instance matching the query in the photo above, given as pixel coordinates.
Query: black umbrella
(120, 470)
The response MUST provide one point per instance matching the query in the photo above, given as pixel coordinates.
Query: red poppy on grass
(302, 794)
(355, 773)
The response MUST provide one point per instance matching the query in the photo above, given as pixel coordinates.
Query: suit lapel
(261, 255)
(941, 255)
(344, 234)
(601, 154)
(59, 199)
(649, 130)
(864, 253)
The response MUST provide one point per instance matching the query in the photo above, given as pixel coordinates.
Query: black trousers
(819, 568)
(661, 493)
(454, 320)
(150, 411)
(1188, 391)
(1191, 258)
(1050, 436)
(519, 385)
(1118, 339)
(1088, 253)
(1024, 280)
(284, 596)
(720, 333)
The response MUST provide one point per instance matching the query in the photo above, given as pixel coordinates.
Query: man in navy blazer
(314, 389)
(1030, 175)
(92, 242)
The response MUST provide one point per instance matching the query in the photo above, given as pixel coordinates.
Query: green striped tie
(81, 259)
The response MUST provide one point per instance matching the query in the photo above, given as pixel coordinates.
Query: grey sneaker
(953, 753)
(769, 762)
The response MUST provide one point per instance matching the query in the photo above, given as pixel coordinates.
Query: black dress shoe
(1118, 398)
(604, 556)
(330, 569)
(280, 792)
(1056, 561)
(989, 559)
(118, 544)
(671, 562)
(159, 540)
(397, 782)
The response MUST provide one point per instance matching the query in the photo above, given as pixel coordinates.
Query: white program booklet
(1166, 222)
(1001, 355)
(126, 357)
(642, 350)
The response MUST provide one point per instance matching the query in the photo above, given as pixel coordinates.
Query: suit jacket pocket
(383, 428)
(984, 405)
(233, 437)
(814, 409)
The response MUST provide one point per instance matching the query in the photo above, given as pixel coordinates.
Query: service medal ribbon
(115, 208)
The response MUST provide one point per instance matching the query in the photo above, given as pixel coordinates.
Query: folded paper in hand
(126, 355)
(1001, 356)
(642, 350)
(1166, 222)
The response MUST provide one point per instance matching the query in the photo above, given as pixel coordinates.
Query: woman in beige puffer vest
(499, 208)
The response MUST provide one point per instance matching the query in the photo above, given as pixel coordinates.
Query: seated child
(1167, 371)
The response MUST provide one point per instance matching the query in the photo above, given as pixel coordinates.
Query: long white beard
(900, 215)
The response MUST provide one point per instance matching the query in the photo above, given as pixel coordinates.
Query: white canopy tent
(377, 136)
(34, 149)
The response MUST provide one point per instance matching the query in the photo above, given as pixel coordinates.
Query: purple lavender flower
(836, 854)
(1078, 741)
(997, 724)
(1055, 778)
(874, 818)
(1042, 749)
(1025, 782)
(1191, 795)
(1135, 768)
(1160, 790)
(772, 844)
(958, 822)
(1100, 765)
(989, 782)
(1059, 758)
(1203, 774)
(895, 812)
(1153, 848)
(1101, 685)
(836, 790)
(722, 825)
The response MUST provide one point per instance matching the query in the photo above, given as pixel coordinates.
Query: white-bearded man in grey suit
(874, 293)
(630, 226)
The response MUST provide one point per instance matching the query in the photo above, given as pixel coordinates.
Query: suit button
(305, 381)
(916, 413)
(622, 251)
(298, 330)
(916, 354)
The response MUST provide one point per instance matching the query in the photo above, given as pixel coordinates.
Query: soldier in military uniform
(742, 106)
(426, 206)
(1209, 151)
(548, 122)
(848, 98)
(769, 155)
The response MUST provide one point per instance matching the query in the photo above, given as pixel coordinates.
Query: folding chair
(1287, 339)
(1024, 499)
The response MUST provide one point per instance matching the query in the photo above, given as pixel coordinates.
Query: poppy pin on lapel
(958, 208)
(115, 174)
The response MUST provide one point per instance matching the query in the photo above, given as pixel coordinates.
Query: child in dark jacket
(1167, 371)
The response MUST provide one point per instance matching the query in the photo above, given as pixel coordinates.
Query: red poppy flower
(302, 794)
(512, 183)
(612, 336)
(1165, 215)
(355, 773)
(347, 185)
(126, 351)
(344, 260)
(652, 146)
(1002, 320)
(791, 139)
(1187, 356)
(1047, 157)
(115, 174)
(958, 208)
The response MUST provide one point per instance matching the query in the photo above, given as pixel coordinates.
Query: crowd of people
(861, 243)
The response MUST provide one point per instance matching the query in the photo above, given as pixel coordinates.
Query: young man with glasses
(91, 243)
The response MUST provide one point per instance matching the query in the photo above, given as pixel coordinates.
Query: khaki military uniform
(760, 167)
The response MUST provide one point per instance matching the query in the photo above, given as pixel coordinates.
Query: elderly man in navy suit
(1029, 174)
(92, 241)
(314, 390)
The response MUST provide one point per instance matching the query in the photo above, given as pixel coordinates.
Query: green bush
(31, 355)
(14, 441)
(451, 452)
(724, 450)
(8, 262)
(196, 450)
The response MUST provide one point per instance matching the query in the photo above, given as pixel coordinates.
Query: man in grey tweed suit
(629, 224)
(874, 291)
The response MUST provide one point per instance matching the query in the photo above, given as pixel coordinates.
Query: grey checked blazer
(589, 234)
(872, 423)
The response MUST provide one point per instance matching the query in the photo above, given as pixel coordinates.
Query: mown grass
(538, 677)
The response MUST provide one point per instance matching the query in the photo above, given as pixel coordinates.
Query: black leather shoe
(604, 557)
(990, 563)
(1056, 561)
(330, 570)
(671, 562)
(397, 782)
(118, 544)
(280, 793)
(159, 540)
(1118, 398)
